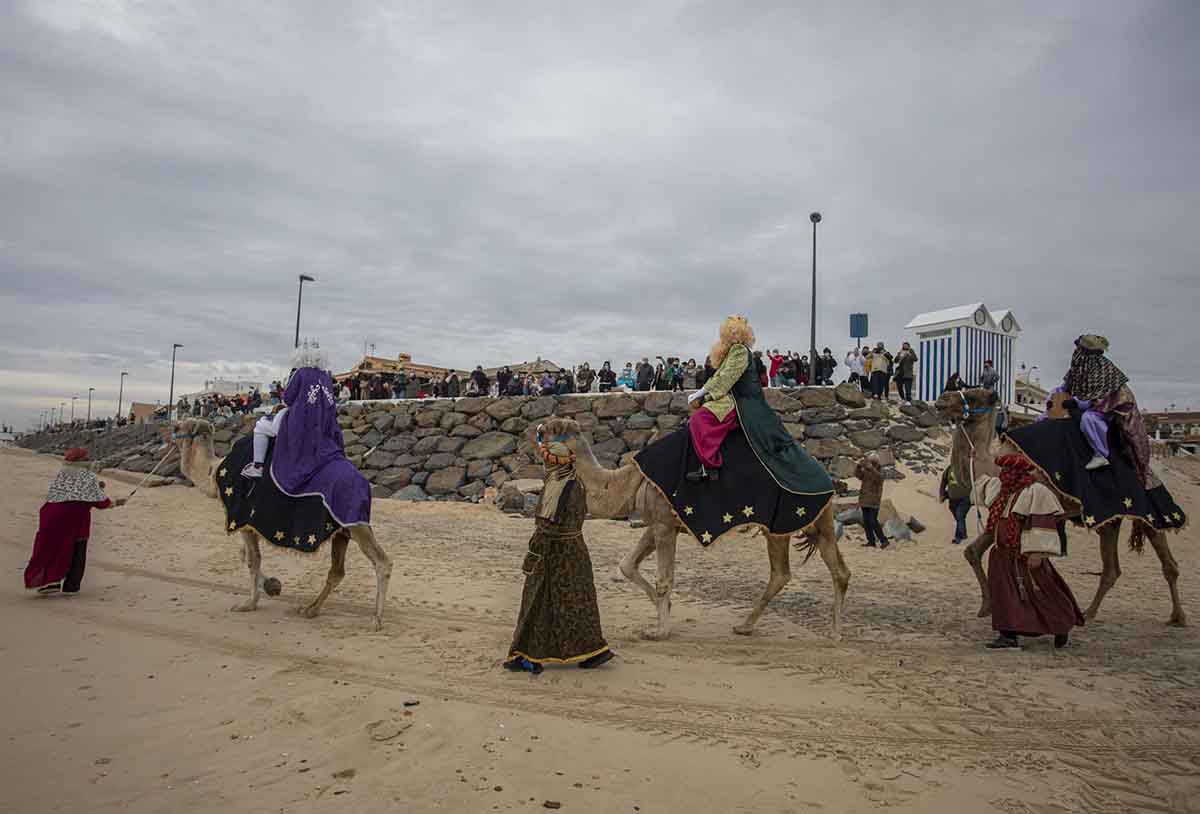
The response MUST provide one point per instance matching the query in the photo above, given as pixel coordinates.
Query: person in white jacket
(854, 361)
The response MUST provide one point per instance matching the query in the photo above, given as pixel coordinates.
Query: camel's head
(967, 406)
(192, 430)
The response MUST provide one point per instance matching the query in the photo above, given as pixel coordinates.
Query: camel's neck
(610, 492)
(196, 461)
(978, 435)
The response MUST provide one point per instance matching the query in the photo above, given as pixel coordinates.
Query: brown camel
(198, 462)
(615, 493)
(973, 415)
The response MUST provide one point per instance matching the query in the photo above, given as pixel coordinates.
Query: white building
(958, 340)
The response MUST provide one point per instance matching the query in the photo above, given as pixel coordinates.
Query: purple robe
(310, 456)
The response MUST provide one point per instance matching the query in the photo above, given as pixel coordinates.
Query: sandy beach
(144, 693)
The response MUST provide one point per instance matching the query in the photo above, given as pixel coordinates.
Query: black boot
(1061, 640)
(1005, 641)
(697, 476)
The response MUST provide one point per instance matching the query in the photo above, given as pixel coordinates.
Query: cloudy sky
(487, 182)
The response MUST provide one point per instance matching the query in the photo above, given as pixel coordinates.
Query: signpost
(858, 328)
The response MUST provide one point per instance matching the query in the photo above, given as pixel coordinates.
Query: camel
(198, 462)
(616, 493)
(972, 412)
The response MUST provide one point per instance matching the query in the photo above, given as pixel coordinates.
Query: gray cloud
(482, 183)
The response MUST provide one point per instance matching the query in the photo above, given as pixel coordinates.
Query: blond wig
(735, 330)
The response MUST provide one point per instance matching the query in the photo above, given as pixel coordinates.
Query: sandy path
(145, 694)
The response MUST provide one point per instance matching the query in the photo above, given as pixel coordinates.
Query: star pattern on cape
(1058, 476)
(706, 537)
(688, 510)
(1090, 520)
(1177, 516)
(801, 511)
(727, 517)
(1128, 502)
(228, 491)
(223, 472)
(296, 539)
(279, 535)
(312, 539)
(748, 511)
(232, 525)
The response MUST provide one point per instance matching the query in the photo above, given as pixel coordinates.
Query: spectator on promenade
(627, 379)
(825, 367)
(661, 380)
(690, 373)
(608, 379)
(955, 382)
(989, 378)
(803, 371)
(905, 360)
(453, 385)
(516, 386)
(854, 361)
(503, 378)
(344, 393)
(645, 374)
(776, 360)
(879, 359)
(480, 379)
(547, 384)
(706, 372)
(760, 367)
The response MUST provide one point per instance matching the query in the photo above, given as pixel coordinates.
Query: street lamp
(90, 391)
(815, 217)
(62, 405)
(73, 410)
(299, 297)
(121, 393)
(171, 398)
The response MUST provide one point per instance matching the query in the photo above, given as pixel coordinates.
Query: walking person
(559, 620)
(870, 495)
(64, 526)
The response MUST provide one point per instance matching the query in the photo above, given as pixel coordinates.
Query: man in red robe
(64, 525)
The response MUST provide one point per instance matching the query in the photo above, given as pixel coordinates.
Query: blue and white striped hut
(959, 339)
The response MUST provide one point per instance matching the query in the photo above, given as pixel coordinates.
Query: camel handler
(64, 526)
(559, 621)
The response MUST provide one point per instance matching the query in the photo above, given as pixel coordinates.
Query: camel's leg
(778, 547)
(838, 570)
(253, 558)
(664, 546)
(337, 570)
(365, 537)
(1170, 570)
(631, 565)
(973, 554)
(1109, 539)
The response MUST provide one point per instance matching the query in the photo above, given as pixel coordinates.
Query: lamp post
(815, 217)
(73, 410)
(299, 297)
(89, 417)
(62, 405)
(121, 393)
(171, 399)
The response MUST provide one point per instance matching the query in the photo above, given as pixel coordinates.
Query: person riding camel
(1101, 391)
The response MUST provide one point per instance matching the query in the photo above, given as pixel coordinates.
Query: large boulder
(408, 459)
(641, 421)
(428, 418)
(383, 422)
(400, 443)
(929, 419)
(637, 438)
(471, 405)
(828, 448)
(452, 444)
(568, 406)
(780, 402)
(482, 422)
(378, 492)
(489, 446)
(656, 403)
(451, 420)
(871, 411)
(505, 408)
(816, 396)
(823, 415)
(842, 467)
(411, 493)
(479, 469)
(446, 481)
(539, 408)
(440, 460)
(904, 434)
(403, 420)
(379, 459)
(849, 395)
(349, 438)
(867, 439)
(611, 448)
(666, 423)
(394, 478)
(911, 410)
(466, 431)
(617, 406)
(473, 489)
(831, 430)
(515, 425)
(427, 445)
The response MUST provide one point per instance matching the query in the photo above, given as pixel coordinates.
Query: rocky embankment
(456, 449)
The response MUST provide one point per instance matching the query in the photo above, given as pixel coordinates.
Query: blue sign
(858, 326)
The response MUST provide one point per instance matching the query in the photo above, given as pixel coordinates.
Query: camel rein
(151, 472)
(962, 427)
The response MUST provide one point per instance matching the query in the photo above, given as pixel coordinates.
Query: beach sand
(144, 693)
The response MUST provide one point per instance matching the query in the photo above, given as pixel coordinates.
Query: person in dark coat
(870, 497)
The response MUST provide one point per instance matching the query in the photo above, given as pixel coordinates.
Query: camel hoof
(984, 610)
(1089, 614)
(309, 612)
(272, 586)
(377, 625)
(245, 607)
(653, 635)
(744, 630)
(1178, 620)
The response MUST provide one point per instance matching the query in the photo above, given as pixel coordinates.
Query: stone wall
(455, 449)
